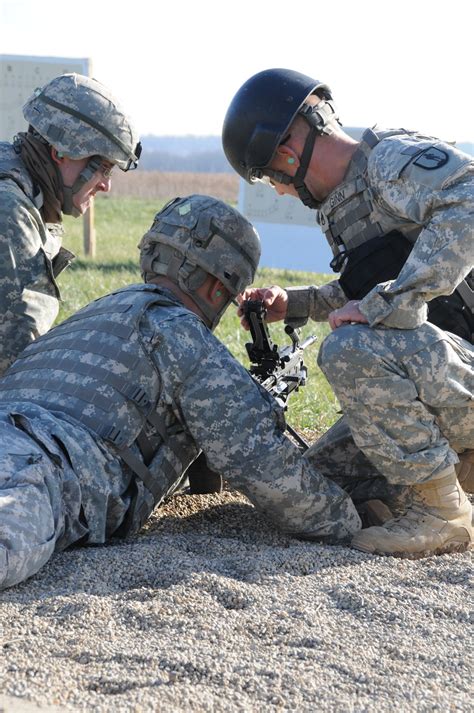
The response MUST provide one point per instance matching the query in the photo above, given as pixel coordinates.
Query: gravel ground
(210, 609)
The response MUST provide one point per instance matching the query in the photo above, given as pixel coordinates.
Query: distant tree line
(203, 162)
(198, 154)
(193, 154)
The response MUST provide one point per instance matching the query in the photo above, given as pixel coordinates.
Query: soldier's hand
(274, 298)
(347, 314)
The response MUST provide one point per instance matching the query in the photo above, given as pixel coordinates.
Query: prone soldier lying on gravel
(101, 417)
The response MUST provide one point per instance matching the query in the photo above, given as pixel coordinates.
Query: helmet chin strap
(211, 316)
(178, 270)
(321, 119)
(298, 181)
(69, 192)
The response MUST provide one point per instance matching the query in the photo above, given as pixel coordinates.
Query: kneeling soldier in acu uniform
(397, 209)
(100, 418)
(77, 133)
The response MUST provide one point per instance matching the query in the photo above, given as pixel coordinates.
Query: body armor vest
(13, 168)
(371, 246)
(94, 368)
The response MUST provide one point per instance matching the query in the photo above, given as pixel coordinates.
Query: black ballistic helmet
(259, 115)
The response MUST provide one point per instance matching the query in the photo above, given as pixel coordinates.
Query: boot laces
(403, 523)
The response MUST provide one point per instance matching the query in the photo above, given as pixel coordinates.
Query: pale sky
(176, 64)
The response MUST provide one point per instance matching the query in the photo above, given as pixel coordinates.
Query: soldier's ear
(289, 156)
(217, 292)
(56, 155)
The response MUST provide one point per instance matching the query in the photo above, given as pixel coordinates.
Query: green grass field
(120, 223)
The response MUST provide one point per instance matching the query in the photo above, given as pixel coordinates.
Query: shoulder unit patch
(431, 159)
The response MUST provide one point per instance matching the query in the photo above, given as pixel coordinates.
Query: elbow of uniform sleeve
(299, 299)
(392, 310)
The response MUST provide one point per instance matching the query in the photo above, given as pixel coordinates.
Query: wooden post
(89, 232)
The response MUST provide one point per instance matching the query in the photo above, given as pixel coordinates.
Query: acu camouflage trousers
(407, 398)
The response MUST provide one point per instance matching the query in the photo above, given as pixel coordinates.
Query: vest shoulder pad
(421, 159)
(11, 167)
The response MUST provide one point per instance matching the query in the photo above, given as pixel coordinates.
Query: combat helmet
(258, 119)
(199, 235)
(80, 118)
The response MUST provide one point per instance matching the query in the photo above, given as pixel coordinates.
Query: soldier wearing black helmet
(101, 417)
(397, 211)
(77, 133)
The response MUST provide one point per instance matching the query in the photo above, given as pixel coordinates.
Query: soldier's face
(100, 181)
(285, 160)
(71, 169)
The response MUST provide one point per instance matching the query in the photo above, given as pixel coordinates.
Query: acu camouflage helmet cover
(201, 232)
(81, 118)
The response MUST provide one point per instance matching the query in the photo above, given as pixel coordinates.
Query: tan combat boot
(438, 520)
(465, 471)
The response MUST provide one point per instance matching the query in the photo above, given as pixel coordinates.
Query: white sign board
(20, 76)
(262, 204)
(291, 238)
